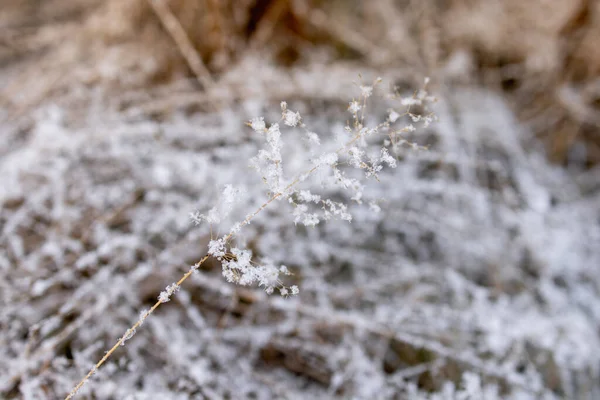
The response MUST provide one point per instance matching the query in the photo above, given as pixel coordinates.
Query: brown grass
(543, 55)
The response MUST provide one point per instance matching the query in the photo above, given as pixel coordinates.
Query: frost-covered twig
(238, 266)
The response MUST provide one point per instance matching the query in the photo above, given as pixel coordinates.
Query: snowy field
(469, 271)
(362, 240)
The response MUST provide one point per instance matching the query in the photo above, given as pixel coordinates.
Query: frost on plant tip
(268, 161)
(216, 248)
(366, 90)
(354, 107)
(290, 118)
(258, 124)
(229, 196)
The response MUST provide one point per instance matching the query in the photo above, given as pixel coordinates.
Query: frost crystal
(268, 161)
(236, 228)
(166, 294)
(128, 335)
(336, 209)
(356, 157)
(196, 217)
(230, 195)
(284, 270)
(354, 107)
(310, 219)
(374, 207)
(313, 138)
(410, 101)
(387, 158)
(258, 124)
(301, 215)
(216, 248)
(366, 91)
(143, 315)
(327, 159)
(291, 118)
(306, 196)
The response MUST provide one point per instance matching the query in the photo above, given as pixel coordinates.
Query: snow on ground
(472, 269)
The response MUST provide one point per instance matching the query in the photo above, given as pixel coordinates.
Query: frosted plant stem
(129, 332)
(125, 337)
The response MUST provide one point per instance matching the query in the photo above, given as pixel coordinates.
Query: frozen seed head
(258, 124)
(366, 90)
(354, 107)
(216, 248)
(291, 118)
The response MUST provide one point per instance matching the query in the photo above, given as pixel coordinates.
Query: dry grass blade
(183, 42)
(127, 335)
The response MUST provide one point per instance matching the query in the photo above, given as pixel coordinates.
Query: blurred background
(479, 277)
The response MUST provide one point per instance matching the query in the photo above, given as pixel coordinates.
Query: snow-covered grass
(471, 270)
